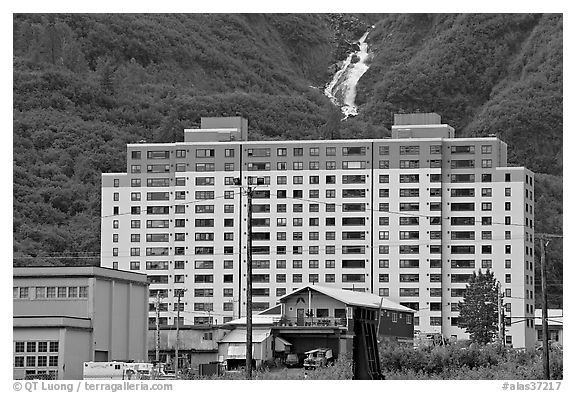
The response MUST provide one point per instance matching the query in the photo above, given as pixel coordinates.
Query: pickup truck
(320, 357)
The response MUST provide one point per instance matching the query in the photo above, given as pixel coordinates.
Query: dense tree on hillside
(479, 309)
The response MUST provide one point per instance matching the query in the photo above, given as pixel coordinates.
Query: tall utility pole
(500, 319)
(543, 245)
(157, 304)
(180, 291)
(545, 360)
(249, 193)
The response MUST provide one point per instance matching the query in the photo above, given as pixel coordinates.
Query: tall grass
(471, 362)
(441, 362)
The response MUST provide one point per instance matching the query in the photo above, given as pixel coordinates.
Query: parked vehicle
(319, 357)
(292, 360)
(117, 370)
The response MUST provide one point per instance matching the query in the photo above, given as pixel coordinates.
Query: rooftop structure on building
(408, 218)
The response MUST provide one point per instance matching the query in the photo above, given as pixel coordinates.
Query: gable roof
(352, 298)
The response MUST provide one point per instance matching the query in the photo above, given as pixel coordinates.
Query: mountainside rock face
(85, 85)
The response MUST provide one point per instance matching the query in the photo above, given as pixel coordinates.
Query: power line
(319, 201)
(404, 214)
(184, 202)
(405, 242)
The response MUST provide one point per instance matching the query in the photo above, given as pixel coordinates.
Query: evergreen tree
(479, 310)
(105, 71)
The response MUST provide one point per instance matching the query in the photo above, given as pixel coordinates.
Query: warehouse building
(65, 316)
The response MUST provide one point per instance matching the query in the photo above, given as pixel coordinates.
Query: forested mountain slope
(85, 85)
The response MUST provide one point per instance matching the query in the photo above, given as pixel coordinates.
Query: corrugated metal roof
(352, 298)
(239, 336)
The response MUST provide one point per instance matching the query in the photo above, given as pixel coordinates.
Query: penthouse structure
(408, 218)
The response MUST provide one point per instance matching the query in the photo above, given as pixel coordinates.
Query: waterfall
(342, 89)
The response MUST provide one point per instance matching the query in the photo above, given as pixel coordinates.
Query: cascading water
(342, 89)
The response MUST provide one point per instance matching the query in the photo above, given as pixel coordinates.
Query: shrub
(466, 362)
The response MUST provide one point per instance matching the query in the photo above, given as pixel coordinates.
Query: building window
(409, 164)
(409, 150)
(83, 293)
(354, 151)
(181, 167)
(486, 264)
(19, 361)
(486, 192)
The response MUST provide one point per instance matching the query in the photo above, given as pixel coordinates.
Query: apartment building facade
(408, 218)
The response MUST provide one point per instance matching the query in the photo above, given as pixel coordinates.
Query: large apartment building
(408, 218)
